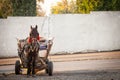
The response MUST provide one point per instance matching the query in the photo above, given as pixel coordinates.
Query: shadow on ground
(69, 75)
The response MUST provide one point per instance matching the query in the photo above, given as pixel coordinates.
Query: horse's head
(34, 32)
(34, 35)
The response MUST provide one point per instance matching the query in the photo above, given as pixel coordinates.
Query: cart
(41, 62)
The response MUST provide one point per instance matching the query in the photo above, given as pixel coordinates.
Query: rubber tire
(17, 67)
(50, 68)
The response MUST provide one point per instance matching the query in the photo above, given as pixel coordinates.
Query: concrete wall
(72, 32)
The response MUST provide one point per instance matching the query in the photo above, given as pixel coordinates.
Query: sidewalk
(71, 57)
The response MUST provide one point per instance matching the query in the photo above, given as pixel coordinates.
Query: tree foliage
(64, 7)
(85, 6)
(39, 9)
(5, 8)
(20, 8)
(108, 5)
(24, 7)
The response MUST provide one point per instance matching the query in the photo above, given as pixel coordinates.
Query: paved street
(92, 66)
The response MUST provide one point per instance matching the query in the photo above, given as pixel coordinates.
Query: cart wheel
(17, 67)
(50, 68)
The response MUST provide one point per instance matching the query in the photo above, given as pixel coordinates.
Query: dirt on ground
(71, 57)
(91, 66)
(74, 75)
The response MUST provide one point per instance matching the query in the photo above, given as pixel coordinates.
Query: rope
(43, 25)
(48, 27)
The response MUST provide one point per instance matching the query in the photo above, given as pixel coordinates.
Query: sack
(43, 47)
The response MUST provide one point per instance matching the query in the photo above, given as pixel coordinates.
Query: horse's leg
(33, 64)
(29, 65)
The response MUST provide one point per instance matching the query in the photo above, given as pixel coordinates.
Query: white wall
(73, 32)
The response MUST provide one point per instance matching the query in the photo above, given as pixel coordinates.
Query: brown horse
(33, 50)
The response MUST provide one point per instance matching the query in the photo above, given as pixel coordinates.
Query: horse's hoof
(28, 76)
(34, 75)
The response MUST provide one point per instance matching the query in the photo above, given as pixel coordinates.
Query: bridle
(34, 45)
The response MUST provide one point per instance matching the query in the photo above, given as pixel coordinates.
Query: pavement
(71, 57)
(86, 66)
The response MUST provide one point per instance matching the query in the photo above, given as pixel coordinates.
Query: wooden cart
(41, 62)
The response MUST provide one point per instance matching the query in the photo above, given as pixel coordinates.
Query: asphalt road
(87, 69)
(87, 65)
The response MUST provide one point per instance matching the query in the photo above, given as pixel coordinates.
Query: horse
(28, 50)
(32, 50)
